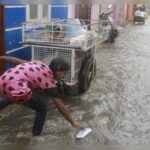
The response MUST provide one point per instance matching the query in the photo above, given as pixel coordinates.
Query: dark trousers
(36, 103)
(4, 102)
(40, 106)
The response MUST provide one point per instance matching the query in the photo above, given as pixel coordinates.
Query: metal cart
(139, 16)
(73, 40)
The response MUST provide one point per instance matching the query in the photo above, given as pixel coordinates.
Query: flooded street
(116, 107)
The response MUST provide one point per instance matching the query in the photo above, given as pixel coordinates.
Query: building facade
(14, 15)
(12, 18)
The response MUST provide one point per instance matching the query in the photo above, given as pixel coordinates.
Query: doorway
(83, 11)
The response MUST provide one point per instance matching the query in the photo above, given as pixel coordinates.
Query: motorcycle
(107, 22)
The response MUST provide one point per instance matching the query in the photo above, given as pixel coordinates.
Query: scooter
(107, 22)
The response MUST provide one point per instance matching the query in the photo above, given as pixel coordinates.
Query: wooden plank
(2, 37)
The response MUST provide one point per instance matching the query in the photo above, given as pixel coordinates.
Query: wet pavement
(116, 107)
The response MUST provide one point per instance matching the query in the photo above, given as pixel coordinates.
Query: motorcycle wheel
(111, 37)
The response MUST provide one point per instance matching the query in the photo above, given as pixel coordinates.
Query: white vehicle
(139, 17)
(70, 40)
(140, 14)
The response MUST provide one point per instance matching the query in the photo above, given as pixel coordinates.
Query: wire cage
(72, 56)
(72, 32)
(70, 39)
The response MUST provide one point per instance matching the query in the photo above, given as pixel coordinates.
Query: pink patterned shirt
(17, 83)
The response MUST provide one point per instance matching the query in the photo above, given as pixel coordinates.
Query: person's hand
(78, 125)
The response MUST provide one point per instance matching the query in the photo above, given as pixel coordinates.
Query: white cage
(68, 39)
(72, 56)
(70, 32)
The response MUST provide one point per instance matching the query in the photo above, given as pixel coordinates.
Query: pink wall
(71, 11)
(95, 12)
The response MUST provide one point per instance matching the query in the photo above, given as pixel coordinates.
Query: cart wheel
(143, 21)
(87, 73)
(134, 21)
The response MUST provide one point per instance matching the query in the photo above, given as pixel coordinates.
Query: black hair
(58, 64)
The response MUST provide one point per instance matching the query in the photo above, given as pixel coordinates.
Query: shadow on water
(116, 106)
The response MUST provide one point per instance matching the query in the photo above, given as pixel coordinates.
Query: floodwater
(116, 107)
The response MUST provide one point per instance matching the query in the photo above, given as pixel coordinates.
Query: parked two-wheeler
(107, 21)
